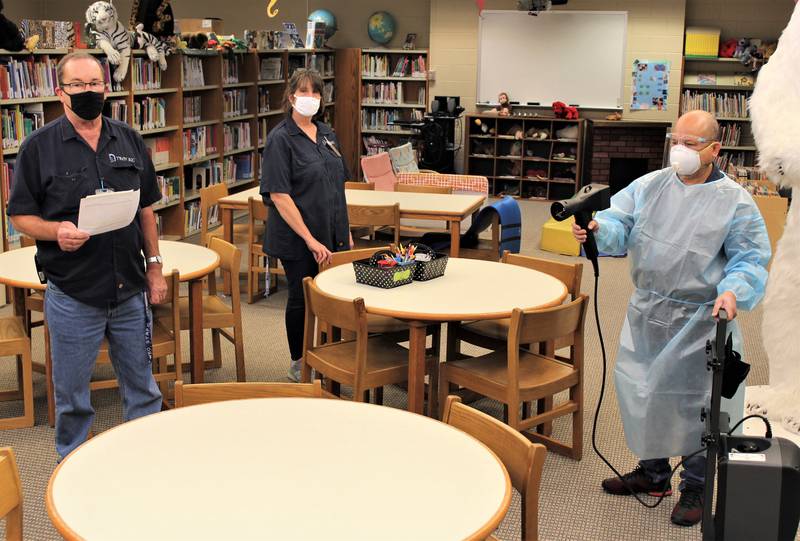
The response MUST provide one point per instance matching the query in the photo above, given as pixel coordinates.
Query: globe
(324, 16)
(381, 27)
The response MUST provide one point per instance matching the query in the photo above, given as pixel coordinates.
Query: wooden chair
(374, 217)
(257, 258)
(34, 300)
(417, 188)
(165, 343)
(217, 314)
(365, 362)
(14, 341)
(493, 334)
(203, 393)
(523, 460)
(417, 228)
(209, 198)
(359, 185)
(514, 376)
(10, 494)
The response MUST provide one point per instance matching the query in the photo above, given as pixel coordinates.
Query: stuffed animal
(562, 110)
(111, 36)
(569, 132)
(11, 38)
(773, 105)
(741, 45)
(516, 131)
(503, 107)
(484, 127)
(195, 41)
(155, 16)
(155, 48)
(728, 48)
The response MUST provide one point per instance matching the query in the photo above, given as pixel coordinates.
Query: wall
(741, 18)
(352, 15)
(655, 32)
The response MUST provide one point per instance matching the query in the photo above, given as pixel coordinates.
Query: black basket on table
(428, 270)
(368, 272)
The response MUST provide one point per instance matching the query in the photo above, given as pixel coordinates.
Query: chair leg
(27, 386)
(379, 396)
(444, 389)
(576, 395)
(217, 350)
(251, 292)
(305, 372)
(513, 416)
(433, 389)
(238, 345)
(543, 405)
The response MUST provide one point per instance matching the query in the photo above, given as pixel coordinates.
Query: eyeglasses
(691, 141)
(80, 86)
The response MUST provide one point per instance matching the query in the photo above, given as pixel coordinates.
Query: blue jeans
(693, 473)
(76, 333)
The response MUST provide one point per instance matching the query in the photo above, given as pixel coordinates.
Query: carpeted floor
(572, 505)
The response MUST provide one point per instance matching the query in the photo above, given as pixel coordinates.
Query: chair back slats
(531, 326)
(209, 196)
(523, 459)
(203, 393)
(359, 185)
(374, 215)
(348, 256)
(10, 495)
(340, 313)
(569, 273)
(257, 208)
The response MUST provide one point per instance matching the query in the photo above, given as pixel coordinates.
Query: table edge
(482, 533)
(439, 214)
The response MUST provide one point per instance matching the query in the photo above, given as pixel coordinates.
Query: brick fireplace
(625, 150)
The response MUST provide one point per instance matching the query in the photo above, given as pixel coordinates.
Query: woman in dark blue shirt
(302, 177)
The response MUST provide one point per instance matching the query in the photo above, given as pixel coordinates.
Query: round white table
(193, 263)
(280, 468)
(469, 290)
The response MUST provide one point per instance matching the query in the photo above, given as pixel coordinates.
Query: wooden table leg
(416, 367)
(196, 329)
(18, 299)
(455, 237)
(227, 234)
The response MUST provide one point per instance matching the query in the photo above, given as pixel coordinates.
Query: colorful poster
(650, 85)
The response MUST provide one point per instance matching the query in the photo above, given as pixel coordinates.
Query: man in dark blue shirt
(97, 285)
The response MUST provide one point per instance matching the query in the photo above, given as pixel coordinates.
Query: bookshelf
(542, 165)
(204, 92)
(378, 87)
(722, 87)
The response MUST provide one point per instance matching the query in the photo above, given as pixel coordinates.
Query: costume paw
(792, 423)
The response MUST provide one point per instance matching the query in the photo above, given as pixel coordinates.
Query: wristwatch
(155, 259)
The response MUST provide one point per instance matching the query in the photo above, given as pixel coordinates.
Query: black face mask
(87, 105)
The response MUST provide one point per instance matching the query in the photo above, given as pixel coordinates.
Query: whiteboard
(576, 57)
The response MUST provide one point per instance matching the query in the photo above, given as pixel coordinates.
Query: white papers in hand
(107, 211)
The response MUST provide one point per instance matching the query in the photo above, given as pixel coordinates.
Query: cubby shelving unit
(541, 165)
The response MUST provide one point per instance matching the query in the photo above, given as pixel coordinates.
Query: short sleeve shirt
(313, 174)
(55, 168)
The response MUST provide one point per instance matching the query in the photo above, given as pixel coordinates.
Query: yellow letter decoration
(270, 11)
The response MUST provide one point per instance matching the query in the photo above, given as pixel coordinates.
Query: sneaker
(295, 371)
(638, 481)
(689, 509)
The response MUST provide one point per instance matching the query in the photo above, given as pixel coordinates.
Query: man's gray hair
(78, 55)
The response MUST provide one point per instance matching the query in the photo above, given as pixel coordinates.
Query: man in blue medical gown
(697, 244)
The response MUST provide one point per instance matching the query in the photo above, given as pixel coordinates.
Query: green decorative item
(324, 16)
(381, 27)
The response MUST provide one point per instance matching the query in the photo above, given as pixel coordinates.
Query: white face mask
(306, 105)
(684, 160)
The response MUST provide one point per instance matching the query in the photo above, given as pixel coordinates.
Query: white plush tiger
(156, 49)
(111, 36)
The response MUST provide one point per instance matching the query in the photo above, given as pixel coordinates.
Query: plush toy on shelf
(562, 110)
(111, 36)
(728, 48)
(156, 49)
(503, 107)
(741, 45)
(485, 129)
(155, 16)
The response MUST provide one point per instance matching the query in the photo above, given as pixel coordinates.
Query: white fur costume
(775, 110)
